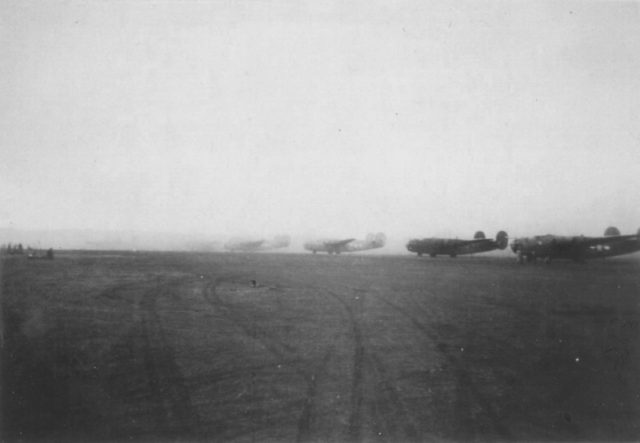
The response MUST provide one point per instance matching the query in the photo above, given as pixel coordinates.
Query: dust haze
(201, 121)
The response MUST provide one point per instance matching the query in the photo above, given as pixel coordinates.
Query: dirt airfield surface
(349, 348)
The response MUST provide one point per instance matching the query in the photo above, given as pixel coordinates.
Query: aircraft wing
(606, 239)
(337, 243)
(244, 245)
(475, 241)
(579, 243)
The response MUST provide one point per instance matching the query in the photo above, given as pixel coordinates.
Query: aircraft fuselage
(239, 245)
(577, 248)
(332, 246)
(454, 247)
(445, 246)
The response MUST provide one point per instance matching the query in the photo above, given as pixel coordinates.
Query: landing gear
(522, 257)
(453, 255)
(432, 255)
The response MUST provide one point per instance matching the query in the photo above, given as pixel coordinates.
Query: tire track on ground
(391, 417)
(389, 407)
(306, 416)
(466, 385)
(175, 414)
(309, 372)
(357, 387)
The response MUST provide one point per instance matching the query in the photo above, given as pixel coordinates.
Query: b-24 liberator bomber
(578, 248)
(243, 245)
(336, 246)
(454, 247)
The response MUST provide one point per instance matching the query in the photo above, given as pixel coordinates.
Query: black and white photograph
(319, 221)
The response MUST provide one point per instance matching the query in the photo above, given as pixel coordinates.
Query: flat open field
(178, 346)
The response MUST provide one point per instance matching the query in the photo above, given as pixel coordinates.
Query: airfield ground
(183, 347)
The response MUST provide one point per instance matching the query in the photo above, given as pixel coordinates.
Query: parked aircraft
(239, 245)
(578, 248)
(454, 247)
(333, 246)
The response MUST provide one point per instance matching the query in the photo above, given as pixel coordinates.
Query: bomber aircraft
(334, 246)
(454, 247)
(577, 248)
(240, 245)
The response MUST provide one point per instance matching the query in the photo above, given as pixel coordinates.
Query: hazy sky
(320, 118)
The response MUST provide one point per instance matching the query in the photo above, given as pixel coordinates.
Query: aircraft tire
(432, 255)
(453, 255)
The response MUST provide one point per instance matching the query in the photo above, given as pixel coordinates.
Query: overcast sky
(324, 118)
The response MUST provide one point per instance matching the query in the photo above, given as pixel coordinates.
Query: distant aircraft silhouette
(240, 245)
(333, 246)
(578, 248)
(454, 247)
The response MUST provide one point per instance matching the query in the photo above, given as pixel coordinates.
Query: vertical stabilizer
(611, 231)
(502, 239)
